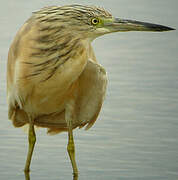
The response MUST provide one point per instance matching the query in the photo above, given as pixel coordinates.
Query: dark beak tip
(169, 29)
(161, 28)
(172, 29)
(157, 27)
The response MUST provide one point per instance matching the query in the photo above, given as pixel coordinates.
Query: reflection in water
(27, 176)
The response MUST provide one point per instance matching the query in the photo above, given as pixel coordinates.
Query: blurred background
(136, 134)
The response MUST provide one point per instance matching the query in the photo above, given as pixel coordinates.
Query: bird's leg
(27, 175)
(69, 116)
(31, 140)
(71, 151)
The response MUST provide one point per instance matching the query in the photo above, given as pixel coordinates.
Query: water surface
(135, 136)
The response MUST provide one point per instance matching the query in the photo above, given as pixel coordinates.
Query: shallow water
(135, 136)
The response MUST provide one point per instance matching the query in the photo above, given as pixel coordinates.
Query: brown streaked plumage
(53, 78)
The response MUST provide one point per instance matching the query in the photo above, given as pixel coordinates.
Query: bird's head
(90, 21)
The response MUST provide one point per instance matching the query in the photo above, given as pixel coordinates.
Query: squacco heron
(53, 78)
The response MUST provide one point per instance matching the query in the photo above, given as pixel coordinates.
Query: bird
(54, 80)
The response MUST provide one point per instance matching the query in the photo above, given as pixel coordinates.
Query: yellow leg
(32, 140)
(27, 176)
(70, 117)
(71, 152)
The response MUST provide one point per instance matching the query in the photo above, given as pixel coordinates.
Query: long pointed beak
(131, 25)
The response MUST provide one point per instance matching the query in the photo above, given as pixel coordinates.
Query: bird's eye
(95, 21)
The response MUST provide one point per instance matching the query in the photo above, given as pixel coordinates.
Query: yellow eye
(95, 21)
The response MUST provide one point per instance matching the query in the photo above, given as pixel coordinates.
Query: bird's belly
(47, 102)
